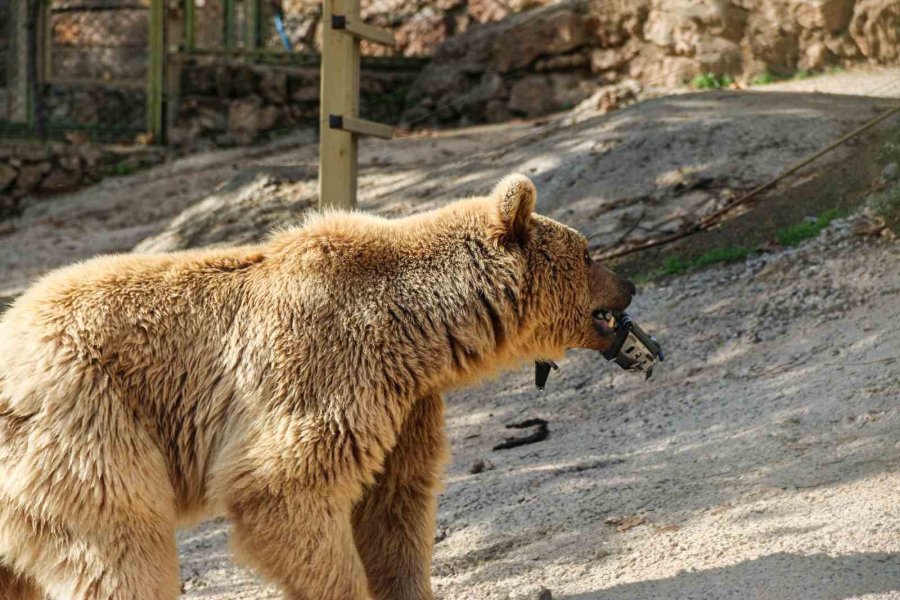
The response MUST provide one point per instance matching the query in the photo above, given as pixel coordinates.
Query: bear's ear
(515, 197)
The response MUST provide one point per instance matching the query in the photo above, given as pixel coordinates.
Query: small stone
(890, 171)
(7, 175)
(481, 465)
(71, 163)
(542, 594)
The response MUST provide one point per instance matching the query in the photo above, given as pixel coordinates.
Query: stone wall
(235, 103)
(42, 168)
(419, 26)
(553, 57)
(114, 113)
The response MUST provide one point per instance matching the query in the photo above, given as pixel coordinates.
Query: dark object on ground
(538, 435)
(480, 466)
(543, 594)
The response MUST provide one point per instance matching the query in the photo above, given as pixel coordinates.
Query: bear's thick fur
(293, 387)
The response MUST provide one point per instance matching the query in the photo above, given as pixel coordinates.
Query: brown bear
(293, 387)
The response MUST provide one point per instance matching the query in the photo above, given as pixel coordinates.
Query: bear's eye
(587, 258)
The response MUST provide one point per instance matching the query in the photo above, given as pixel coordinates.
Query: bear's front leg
(303, 541)
(394, 524)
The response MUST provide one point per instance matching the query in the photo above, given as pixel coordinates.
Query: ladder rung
(362, 30)
(360, 126)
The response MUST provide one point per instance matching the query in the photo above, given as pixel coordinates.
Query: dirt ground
(762, 461)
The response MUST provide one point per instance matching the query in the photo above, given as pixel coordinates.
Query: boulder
(876, 29)
(60, 180)
(549, 31)
(830, 15)
(421, 34)
(612, 59)
(815, 56)
(531, 96)
(29, 178)
(273, 86)
(247, 117)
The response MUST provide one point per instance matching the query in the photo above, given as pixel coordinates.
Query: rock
(562, 63)
(496, 111)
(770, 43)
(60, 180)
(718, 55)
(890, 171)
(542, 594)
(614, 22)
(422, 34)
(867, 225)
(659, 43)
(32, 152)
(875, 28)
(7, 175)
(484, 11)
(531, 96)
(248, 117)
(273, 86)
(557, 29)
(308, 92)
(243, 81)
(814, 57)
(71, 162)
(830, 15)
(606, 59)
(610, 97)
(29, 178)
(679, 25)
(481, 465)
(223, 82)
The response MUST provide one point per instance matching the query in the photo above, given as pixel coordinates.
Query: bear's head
(567, 291)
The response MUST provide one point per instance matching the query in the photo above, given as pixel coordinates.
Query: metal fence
(115, 70)
(75, 68)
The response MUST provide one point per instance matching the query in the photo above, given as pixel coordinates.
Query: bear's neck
(466, 313)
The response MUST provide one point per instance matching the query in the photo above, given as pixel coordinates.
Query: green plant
(711, 81)
(794, 234)
(122, 168)
(764, 79)
(676, 265)
(768, 77)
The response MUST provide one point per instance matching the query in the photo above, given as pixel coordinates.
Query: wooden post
(189, 7)
(20, 101)
(251, 41)
(156, 69)
(339, 122)
(229, 24)
(340, 96)
(175, 35)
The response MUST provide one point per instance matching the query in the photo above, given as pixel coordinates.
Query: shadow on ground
(776, 576)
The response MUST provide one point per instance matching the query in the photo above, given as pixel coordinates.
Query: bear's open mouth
(605, 321)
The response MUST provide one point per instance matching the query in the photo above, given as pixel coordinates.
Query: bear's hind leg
(112, 560)
(301, 540)
(394, 524)
(14, 587)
